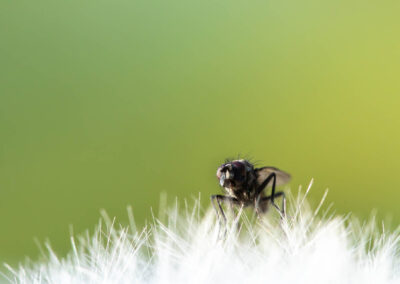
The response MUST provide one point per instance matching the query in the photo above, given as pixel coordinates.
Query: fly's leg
(257, 202)
(220, 199)
(234, 216)
(272, 177)
(277, 195)
(220, 210)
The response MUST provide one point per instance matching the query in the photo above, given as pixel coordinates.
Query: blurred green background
(109, 103)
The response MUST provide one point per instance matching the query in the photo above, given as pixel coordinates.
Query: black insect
(244, 186)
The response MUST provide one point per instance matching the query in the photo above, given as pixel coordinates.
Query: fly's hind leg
(271, 198)
(272, 177)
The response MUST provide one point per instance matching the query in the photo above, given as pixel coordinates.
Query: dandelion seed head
(187, 248)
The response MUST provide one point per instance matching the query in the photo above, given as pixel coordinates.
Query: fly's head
(235, 175)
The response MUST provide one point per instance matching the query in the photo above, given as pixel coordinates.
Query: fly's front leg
(220, 210)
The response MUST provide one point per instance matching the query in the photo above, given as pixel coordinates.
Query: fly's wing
(263, 173)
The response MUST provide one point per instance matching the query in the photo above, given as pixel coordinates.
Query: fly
(245, 186)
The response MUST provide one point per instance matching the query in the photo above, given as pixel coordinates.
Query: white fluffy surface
(188, 248)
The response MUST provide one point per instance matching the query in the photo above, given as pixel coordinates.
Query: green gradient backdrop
(109, 103)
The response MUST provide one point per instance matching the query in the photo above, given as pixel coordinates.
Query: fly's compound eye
(239, 171)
